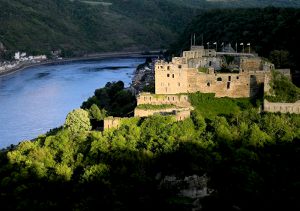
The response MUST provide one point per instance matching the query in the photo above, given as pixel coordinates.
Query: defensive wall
(112, 122)
(277, 106)
(180, 100)
(282, 107)
(196, 71)
(178, 113)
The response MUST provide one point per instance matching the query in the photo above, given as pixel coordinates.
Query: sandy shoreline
(75, 59)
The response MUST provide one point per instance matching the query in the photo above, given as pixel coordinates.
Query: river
(34, 100)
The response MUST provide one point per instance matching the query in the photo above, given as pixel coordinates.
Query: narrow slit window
(228, 85)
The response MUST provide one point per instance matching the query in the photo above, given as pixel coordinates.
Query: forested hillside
(112, 25)
(88, 26)
(273, 32)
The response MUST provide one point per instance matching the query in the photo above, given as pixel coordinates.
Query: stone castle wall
(223, 85)
(282, 107)
(178, 113)
(112, 122)
(181, 100)
(251, 64)
(182, 76)
(170, 78)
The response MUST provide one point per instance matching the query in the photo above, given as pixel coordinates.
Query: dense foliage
(282, 89)
(272, 32)
(78, 26)
(250, 158)
(114, 99)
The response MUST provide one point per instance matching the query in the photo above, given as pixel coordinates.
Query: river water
(34, 100)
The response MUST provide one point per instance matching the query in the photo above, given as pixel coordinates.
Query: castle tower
(171, 77)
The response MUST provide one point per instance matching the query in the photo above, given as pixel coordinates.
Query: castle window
(168, 68)
(209, 63)
(208, 84)
(219, 79)
(178, 84)
(173, 76)
(150, 98)
(229, 78)
(228, 85)
(179, 66)
(168, 98)
(173, 98)
(168, 75)
(237, 77)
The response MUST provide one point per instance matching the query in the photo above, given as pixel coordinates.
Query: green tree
(96, 113)
(77, 121)
(280, 58)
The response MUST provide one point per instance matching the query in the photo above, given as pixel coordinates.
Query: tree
(78, 121)
(96, 113)
(280, 58)
(198, 121)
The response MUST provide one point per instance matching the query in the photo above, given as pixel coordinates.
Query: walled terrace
(176, 105)
(280, 107)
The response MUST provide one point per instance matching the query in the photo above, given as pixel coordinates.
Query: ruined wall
(181, 100)
(182, 76)
(178, 113)
(233, 85)
(251, 64)
(112, 122)
(282, 107)
(207, 62)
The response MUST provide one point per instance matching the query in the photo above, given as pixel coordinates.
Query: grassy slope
(210, 107)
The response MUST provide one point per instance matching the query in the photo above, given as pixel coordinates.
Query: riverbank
(135, 54)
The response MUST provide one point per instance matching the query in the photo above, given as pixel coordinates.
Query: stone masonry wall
(178, 113)
(282, 107)
(170, 78)
(180, 100)
(233, 85)
(112, 122)
(250, 64)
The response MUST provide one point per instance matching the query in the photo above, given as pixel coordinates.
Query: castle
(226, 74)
